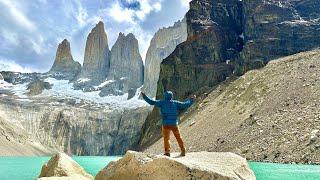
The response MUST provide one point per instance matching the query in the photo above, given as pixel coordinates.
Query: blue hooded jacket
(169, 107)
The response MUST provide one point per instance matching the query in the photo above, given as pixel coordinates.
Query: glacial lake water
(28, 168)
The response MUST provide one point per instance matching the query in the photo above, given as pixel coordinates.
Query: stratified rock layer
(61, 165)
(126, 62)
(97, 56)
(162, 45)
(64, 66)
(196, 165)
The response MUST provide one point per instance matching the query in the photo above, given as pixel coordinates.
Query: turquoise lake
(28, 168)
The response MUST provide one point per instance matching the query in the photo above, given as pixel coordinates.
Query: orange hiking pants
(166, 137)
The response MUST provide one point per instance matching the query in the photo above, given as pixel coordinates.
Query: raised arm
(184, 105)
(150, 101)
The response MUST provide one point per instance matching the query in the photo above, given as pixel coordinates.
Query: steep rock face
(15, 141)
(64, 66)
(78, 129)
(200, 62)
(274, 29)
(196, 165)
(97, 55)
(126, 61)
(161, 46)
(61, 165)
(230, 38)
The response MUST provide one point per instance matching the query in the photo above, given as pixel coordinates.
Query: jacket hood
(168, 95)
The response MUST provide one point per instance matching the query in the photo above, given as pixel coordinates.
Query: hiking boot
(167, 154)
(183, 153)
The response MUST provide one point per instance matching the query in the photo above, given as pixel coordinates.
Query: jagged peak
(128, 36)
(99, 27)
(65, 41)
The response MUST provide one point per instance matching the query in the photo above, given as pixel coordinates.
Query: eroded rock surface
(61, 165)
(195, 165)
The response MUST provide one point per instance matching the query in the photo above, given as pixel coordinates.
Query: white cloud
(18, 16)
(124, 14)
(6, 65)
(185, 3)
(120, 14)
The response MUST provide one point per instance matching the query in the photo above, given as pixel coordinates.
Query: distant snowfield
(62, 89)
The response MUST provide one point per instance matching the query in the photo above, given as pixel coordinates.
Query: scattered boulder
(36, 87)
(196, 165)
(61, 166)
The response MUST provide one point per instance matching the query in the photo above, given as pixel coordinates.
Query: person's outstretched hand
(193, 97)
(142, 93)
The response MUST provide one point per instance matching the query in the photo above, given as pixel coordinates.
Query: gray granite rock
(126, 61)
(64, 67)
(96, 58)
(162, 44)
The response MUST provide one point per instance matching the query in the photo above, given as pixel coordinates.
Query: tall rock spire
(97, 55)
(64, 63)
(126, 61)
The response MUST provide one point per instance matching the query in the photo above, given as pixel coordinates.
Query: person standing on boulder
(170, 118)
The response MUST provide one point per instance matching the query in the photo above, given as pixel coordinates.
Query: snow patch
(82, 80)
(103, 84)
(64, 89)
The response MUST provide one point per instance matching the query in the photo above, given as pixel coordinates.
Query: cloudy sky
(31, 30)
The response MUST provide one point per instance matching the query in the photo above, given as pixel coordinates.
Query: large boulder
(61, 166)
(36, 87)
(196, 165)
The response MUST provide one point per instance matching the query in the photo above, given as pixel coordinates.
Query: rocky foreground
(137, 165)
(271, 114)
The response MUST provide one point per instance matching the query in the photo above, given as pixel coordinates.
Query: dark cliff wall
(227, 38)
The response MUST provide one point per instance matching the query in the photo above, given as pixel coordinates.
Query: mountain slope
(270, 114)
